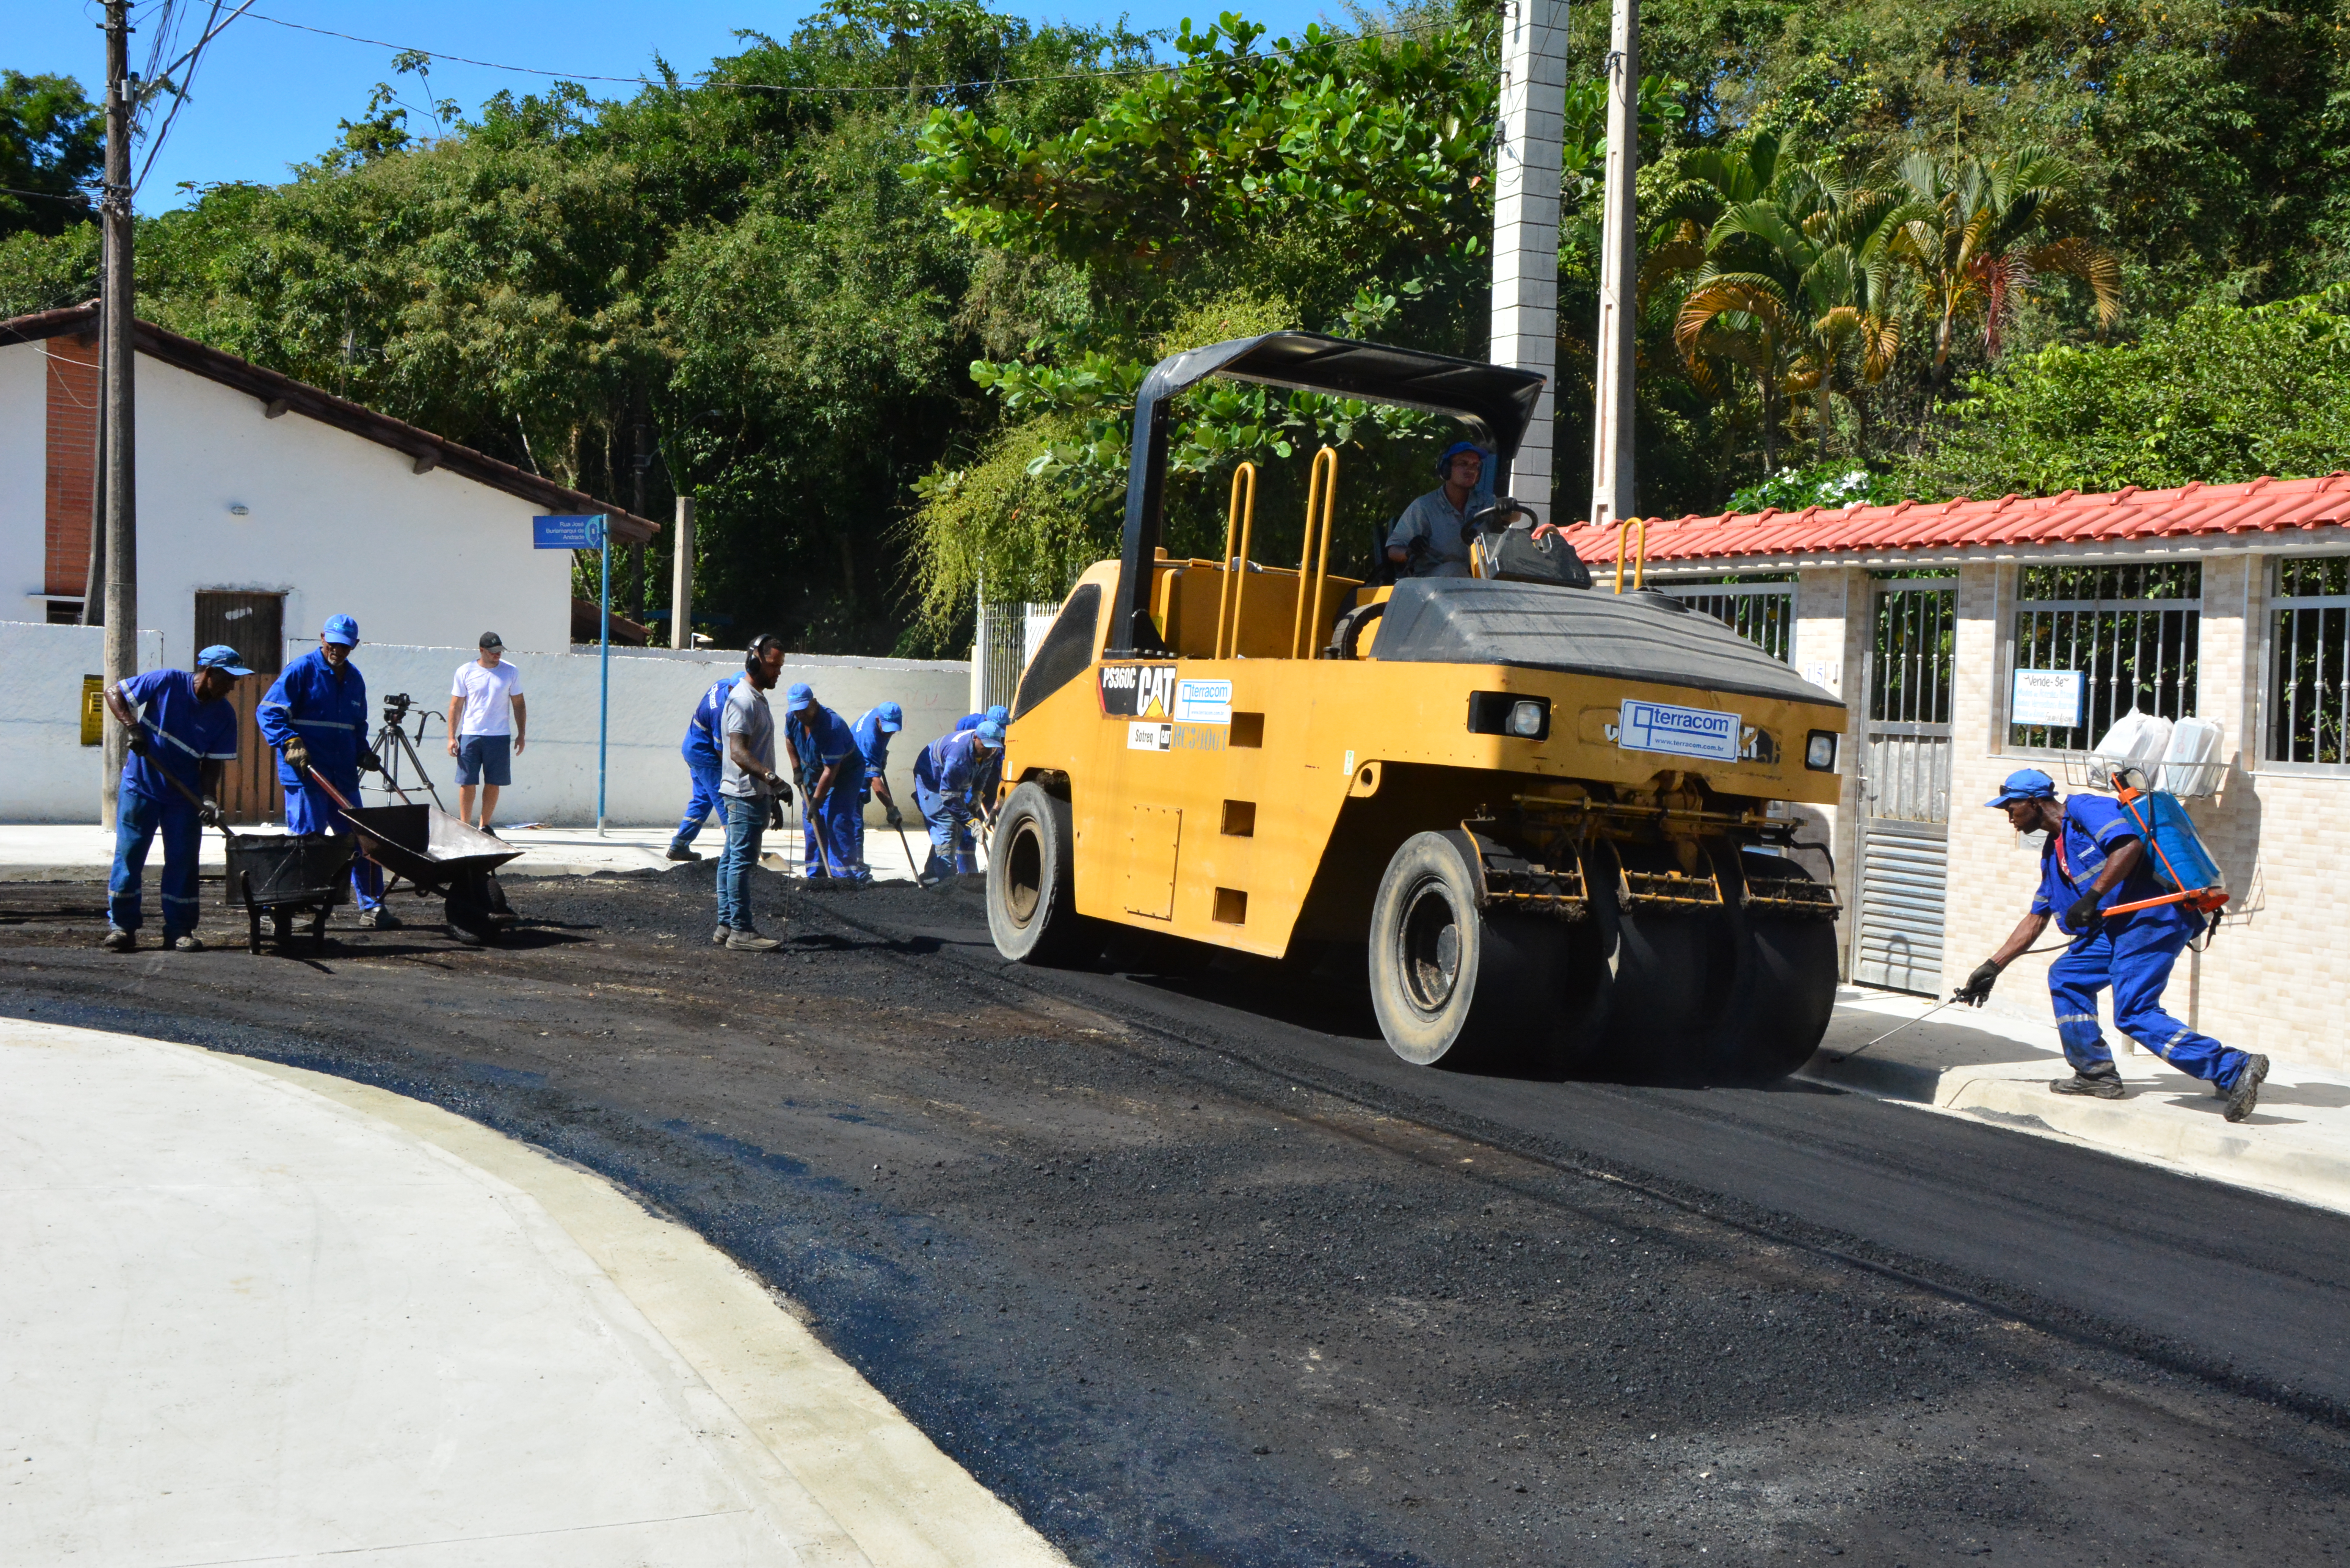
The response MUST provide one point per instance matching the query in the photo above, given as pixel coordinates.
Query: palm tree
(1978, 231)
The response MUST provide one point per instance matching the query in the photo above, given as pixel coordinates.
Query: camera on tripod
(395, 708)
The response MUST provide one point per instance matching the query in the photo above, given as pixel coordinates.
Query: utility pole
(116, 352)
(680, 590)
(1525, 224)
(1620, 276)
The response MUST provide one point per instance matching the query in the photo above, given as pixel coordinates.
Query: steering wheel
(1494, 519)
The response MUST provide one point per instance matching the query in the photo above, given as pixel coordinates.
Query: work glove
(782, 791)
(775, 816)
(2084, 917)
(135, 739)
(209, 812)
(896, 818)
(298, 755)
(1977, 991)
(369, 761)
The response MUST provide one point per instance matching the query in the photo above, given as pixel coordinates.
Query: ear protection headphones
(1444, 459)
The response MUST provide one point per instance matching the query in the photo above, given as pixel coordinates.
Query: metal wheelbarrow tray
(439, 855)
(282, 875)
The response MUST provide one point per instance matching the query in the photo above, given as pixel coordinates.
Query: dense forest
(878, 294)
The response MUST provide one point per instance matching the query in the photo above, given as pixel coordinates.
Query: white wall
(24, 436)
(46, 775)
(653, 695)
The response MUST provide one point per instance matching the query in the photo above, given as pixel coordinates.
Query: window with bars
(2309, 642)
(2130, 630)
(1760, 610)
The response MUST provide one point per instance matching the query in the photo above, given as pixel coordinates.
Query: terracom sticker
(1205, 701)
(1138, 690)
(1678, 731)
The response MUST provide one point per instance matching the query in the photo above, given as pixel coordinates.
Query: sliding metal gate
(1905, 785)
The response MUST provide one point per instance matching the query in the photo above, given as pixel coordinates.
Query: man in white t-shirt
(486, 720)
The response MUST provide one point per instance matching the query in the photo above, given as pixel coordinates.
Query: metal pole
(115, 370)
(93, 582)
(681, 593)
(1620, 274)
(1525, 224)
(604, 698)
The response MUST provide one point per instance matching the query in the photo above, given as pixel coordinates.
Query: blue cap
(220, 656)
(991, 732)
(889, 717)
(999, 713)
(1444, 459)
(969, 722)
(342, 630)
(798, 697)
(2025, 784)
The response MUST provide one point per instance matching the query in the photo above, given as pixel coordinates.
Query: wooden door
(254, 624)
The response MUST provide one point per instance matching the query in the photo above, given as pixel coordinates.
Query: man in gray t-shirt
(748, 789)
(1430, 539)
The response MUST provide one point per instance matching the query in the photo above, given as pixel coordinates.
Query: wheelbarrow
(283, 875)
(438, 856)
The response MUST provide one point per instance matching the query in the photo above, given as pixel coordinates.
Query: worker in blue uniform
(2095, 857)
(703, 763)
(828, 770)
(946, 789)
(182, 730)
(317, 717)
(985, 787)
(873, 730)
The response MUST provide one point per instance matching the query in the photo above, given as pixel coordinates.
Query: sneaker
(379, 920)
(680, 852)
(119, 940)
(2097, 1086)
(743, 939)
(2244, 1094)
(718, 938)
(191, 943)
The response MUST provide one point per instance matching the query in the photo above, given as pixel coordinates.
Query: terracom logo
(1678, 731)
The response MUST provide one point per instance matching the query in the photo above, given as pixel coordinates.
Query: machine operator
(1431, 539)
(2093, 860)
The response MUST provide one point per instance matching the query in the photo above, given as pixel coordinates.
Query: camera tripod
(392, 743)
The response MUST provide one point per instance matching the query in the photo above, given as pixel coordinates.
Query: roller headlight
(1527, 719)
(1820, 752)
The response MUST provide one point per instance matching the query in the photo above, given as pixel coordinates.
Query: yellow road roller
(1548, 815)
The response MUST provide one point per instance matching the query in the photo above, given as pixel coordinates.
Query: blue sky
(269, 96)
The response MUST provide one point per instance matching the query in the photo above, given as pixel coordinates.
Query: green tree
(52, 146)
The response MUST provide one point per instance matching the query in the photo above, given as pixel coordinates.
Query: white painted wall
(337, 523)
(23, 472)
(46, 775)
(653, 695)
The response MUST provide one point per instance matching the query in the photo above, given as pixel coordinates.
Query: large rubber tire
(1665, 979)
(1032, 887)
(1455, 985)
(1784, 994)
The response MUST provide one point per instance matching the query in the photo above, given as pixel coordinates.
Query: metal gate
(1007, 637)
(1905, 788)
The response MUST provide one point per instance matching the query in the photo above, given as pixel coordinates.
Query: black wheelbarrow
(285, 876)
(439, 856)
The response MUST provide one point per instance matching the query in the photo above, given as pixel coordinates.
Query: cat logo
(1138, 690)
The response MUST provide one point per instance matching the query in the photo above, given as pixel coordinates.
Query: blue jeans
(2136, 961)
(704, 800)
(949, 820)
(747, 824)
(841, 820)
(136, 819)
(308, 810)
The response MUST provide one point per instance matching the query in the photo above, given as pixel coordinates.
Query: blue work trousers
(746, 826)
(949, 820)
(840, 852)
(2136, 961)
(136, 819)
(705, 800)
(310, 809)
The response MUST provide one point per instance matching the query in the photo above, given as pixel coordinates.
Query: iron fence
(2309, 688)
(1906, 771)
(1007, 637)
(2130, 630)
(1760, 611)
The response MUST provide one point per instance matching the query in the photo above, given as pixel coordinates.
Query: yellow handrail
(1639, 562)
(1240, 522)
(1322, 485)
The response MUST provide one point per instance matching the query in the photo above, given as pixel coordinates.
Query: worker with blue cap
(948, 777)
(2095, 857)
(826, 764)
(181, 732)
(316, 715)
(1431, 539)
(984, 786)
(873, 730)
(703, 764)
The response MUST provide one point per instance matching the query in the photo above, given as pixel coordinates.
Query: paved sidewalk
(253, 1314)
(1995, 1067)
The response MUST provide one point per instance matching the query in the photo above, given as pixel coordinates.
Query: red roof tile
(2263, 505)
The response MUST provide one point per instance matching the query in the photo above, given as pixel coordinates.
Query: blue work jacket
(328, 711)
(873, 743)
(952, 765)
(820, 738)
(703, 743)
(182, 734)
(2070, 861)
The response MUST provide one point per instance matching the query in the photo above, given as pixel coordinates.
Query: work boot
(744, 939)
(2244, 1094)
(2097, 1085)
(191, 943)
(379, 920)
(119, 940)
(681, 852)
(718, 938)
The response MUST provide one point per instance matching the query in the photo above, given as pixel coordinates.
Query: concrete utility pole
(119, 467)
(1525, 223)
(1620, 276)
(681, 592)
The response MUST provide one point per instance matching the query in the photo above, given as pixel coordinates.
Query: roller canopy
(1494, 403)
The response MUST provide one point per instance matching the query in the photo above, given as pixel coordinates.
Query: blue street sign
(567, 533)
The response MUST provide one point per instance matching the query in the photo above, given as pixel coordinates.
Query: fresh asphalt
(1192, 1271)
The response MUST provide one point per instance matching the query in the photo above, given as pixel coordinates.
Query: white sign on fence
(2048, 697)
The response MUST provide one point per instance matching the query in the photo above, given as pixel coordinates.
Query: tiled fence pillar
(1832, 622)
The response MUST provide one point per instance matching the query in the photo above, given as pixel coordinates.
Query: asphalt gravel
(1191, 1271)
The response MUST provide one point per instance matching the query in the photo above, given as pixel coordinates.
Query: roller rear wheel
(1453, 984)
(1032, 888)
(1665, 981)
(1784, 991)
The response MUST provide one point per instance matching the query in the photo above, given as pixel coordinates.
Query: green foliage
(52, 147)
(1819, 484)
